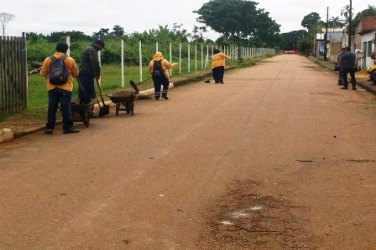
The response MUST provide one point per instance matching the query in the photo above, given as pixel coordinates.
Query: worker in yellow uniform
(159, 71)
(218, 65)
(60, 70)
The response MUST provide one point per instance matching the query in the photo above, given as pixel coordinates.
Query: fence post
(207, 56)
(140, 59)
(189, 57)
(170, 58)
(122, 63)
(202, 56)
(26, 90)
(156, 47)
(100, 65)
(179, 58)
(195, 57)
(67, 39)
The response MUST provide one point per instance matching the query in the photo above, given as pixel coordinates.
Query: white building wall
(367, 61)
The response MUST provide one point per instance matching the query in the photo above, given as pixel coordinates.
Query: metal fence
(13, 75)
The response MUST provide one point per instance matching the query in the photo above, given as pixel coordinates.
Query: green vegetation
(240, 22)
(246, 35)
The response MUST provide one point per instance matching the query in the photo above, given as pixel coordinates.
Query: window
(369, 48)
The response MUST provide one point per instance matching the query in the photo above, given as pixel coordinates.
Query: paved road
(277, 157)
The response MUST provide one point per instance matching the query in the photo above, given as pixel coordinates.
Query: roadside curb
(9, 135)
(367, 87)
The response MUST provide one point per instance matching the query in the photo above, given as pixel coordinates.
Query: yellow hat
(158, 56)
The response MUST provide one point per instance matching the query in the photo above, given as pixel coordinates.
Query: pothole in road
(242, 218)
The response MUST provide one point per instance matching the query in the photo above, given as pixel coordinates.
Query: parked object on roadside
(82, 112)
(159, 70)
(218, 65)
(60, 94)
(124, 101)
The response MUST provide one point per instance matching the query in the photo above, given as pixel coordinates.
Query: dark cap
(100, 43)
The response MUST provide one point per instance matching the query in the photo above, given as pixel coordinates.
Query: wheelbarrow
(124, 101)
(82, 112)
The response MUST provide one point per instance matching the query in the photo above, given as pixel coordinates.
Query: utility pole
(326, 35)
(350, 24)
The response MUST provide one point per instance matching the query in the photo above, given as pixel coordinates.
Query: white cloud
(89, 16)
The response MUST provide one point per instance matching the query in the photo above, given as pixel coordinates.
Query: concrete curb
(367, 87)
(9, 135)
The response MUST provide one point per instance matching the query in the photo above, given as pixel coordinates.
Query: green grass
(111, 81)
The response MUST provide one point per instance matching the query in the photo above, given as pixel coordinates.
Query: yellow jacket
(371, 69)
(219, 59)
(165, 64)
(71, 65)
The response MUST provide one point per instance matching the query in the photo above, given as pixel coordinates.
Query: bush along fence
(13, 75)
(191, 57)
(127, 60)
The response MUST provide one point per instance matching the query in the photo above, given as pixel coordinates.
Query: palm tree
(345, 12)
(336, 22)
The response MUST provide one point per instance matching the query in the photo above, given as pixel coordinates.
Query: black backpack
(157, 69)
(58, 73)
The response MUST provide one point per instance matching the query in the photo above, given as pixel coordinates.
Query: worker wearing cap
(218, 65)
(162, 80)
(89, 69)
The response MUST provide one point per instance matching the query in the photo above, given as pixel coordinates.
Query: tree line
(239, 22)
(313, 24)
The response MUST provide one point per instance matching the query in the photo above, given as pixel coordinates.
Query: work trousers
(218, 73)
(62, 96)
(158, 83)
(86, 91)
(350, 71)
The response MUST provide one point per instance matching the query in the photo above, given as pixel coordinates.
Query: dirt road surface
(278, 157)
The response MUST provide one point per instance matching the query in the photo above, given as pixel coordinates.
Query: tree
(238, 20)
(198, 33)
(311, 22)
(292, 40)
(345, 12)
(117, 31)
(101, 34)
(370, 11)
(61, 36)
(336, 22)
(5, 18)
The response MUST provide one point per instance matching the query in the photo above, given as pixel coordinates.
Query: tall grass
(110, 81)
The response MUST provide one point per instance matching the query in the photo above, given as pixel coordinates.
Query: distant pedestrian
(218, 65)
(348, 66)
(338, 66)
(159, 71)
(59, 70)
(89, 70)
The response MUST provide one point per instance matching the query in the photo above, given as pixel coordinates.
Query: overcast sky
(89, 16)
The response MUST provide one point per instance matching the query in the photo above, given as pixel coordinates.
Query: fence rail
(13, 75)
